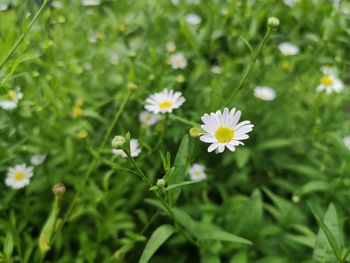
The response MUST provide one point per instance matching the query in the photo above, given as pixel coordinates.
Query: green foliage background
(295, 154)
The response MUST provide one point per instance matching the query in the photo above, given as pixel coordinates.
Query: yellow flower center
(165, 105)
(12, 94)
(224, 134)
(77, 111)
(197, 173)
(19, 176)
(327, 80)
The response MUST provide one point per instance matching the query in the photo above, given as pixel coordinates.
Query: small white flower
(288, 49)
(193, 19)
(38, 159)
(170, 47)
(90, 2)
(329, 70)
(175, 2)
(19, 176)
(197, 172)
(93, 37)
(346, 141)
(134, 149)
(57, 4)
(216, 69)
(114, 58)
(222, 129)
(4, 7)
(330, 84)
(264, 93)
(289, 2)
(178, 61)
(164, 101)
(14, 96)
(148, 118)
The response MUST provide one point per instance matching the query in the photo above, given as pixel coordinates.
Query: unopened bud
(59, 189)
(161, 183)
(132, 87)
(296, 199)
(118, 142)
(195, 132)
(273, 22)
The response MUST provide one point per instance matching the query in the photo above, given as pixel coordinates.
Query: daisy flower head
(264, 93)
(134, 149)
(193, 19)
(18, 176)
(197, 172)
(346, 141)
(164, 101)
(170, 47)
(221, 129)
(13, 97)
(148, 118)
(38, 159)
(330, 84)
(90, 2)
(178, 61)
(328, 70)
(288, 49)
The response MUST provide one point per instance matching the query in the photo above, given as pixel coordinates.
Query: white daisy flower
(288, 49)
(170, 47)
(346, 141)
(178, 61)
(329, 70)
(19, 176)
(148, 118)
(134, 149)
(164, 101)
(330, 84)
(90, 2)
(197, 172)
(38, 159)
(222, 129)
(264, 93)
(14, 96)
(193, 19)
(216, 69)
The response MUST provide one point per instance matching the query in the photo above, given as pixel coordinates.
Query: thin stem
(251, 65)
(93, 164)
(183, 120)
(24, 34)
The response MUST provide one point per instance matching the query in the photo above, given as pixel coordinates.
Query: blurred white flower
(4, 7)
(288, 49)
(134, 149)
(330, 84)
(178, 61)
(19, 176)
(114, 58)
(193, 2)
(329, 70)
(289, 2)
(264, 93)
(216, 69)
(164, 101)
(90, 2)
(175, 2)
(346, 141)
(197, 172)
(148, 118)
(222, 129)
(57, 4)
(38, 159)
(170, 47)
(93, 37)
(193, 19)
(14, 96)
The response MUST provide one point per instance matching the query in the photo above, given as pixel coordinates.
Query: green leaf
(276, 143)
(328, 241)
(178, 175)
(8, 245)
(174, 186)
(221, 235)
(159, 236)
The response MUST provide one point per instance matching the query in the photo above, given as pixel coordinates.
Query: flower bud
(296, 199)
(161, 183)
(132, 87)
(118, 142)
(59, 189)
(195, 132)
(273, 22)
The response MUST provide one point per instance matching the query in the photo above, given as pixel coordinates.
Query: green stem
(93, 164)
(24, 34)
(183, 120)
(250, 67)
